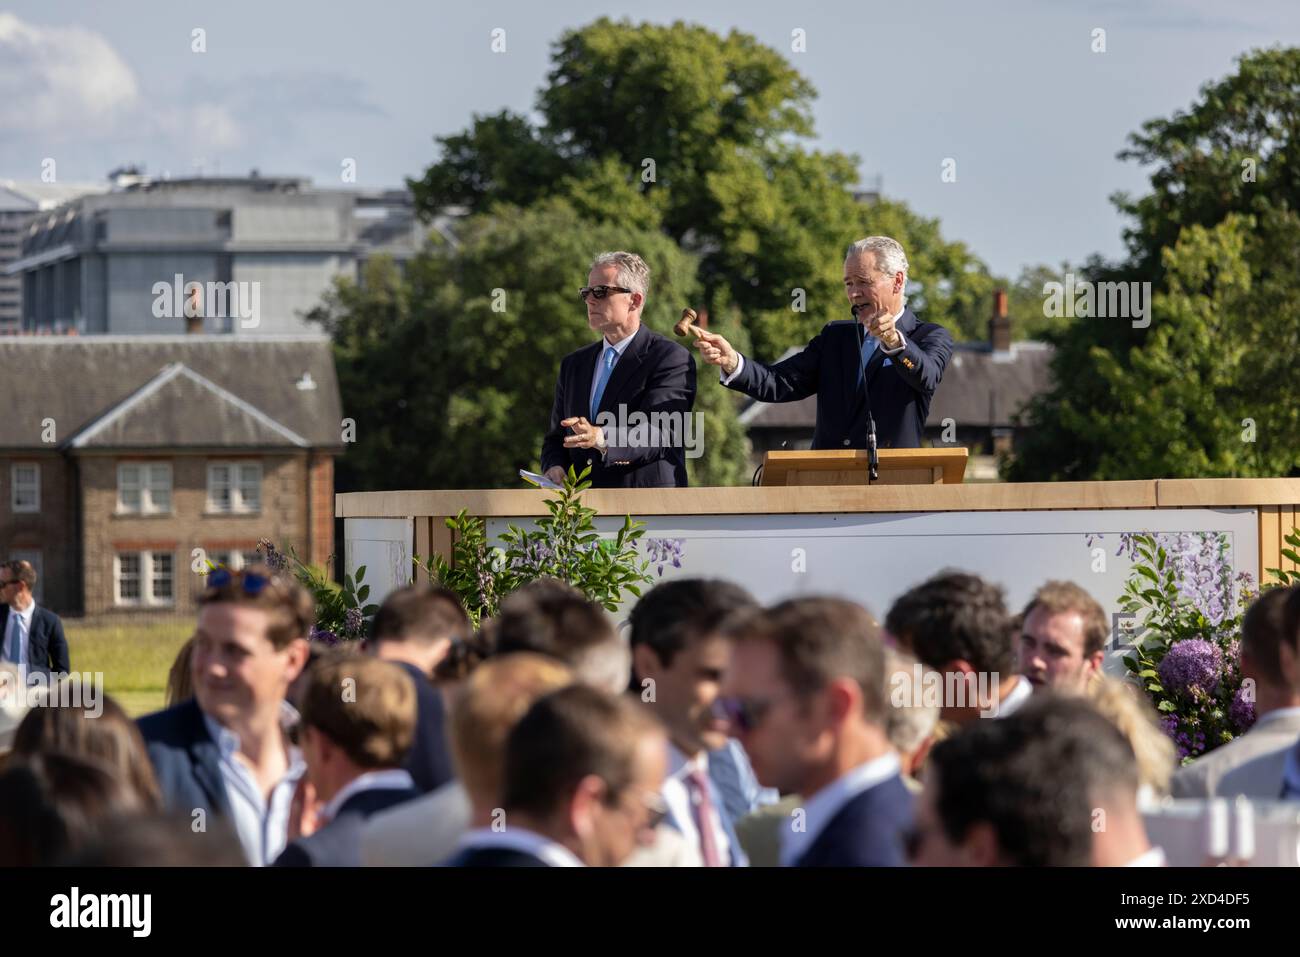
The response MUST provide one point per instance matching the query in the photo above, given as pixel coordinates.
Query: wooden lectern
(849, 467)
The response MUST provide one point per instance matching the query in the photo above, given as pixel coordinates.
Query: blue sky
(1012, 91)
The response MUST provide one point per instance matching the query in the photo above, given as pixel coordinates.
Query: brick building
(122, 455)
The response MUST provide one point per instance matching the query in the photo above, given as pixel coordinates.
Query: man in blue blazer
(604, 389)
(358, 722)
(806, 696)
(32, 636)
(882, 366)
(228, 750)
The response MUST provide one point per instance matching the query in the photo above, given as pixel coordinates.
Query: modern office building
(20, 202)
(246, 256)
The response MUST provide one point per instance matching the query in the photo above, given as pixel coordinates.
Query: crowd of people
(711, 731)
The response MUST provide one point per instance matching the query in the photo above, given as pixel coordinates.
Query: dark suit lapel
(626, 366)
(205, 757)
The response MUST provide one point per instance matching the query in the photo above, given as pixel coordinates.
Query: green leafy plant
(1286, 578)
(564, 545)
(341, 612)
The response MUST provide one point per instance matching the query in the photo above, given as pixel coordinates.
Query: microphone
(873, 459)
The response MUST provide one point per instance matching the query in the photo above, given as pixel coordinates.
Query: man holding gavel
(621, 403)
(880, 370)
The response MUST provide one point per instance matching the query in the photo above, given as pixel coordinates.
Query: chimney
(194, 312)
(1000, 325)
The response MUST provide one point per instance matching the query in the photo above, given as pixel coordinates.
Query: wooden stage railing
(1277, 502)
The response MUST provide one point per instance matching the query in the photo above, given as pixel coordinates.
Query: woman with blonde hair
(1130, 711)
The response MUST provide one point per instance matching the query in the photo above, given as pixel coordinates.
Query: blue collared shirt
(822, 807)
(261, 823)
(10, 624)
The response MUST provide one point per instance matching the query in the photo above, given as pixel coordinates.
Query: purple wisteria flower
(664, 551)
(1242, 710)
(1190, 666)
(352, 621)
(273, 557)
(324, 636)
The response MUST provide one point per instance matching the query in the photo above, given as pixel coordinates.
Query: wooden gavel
(686, 324)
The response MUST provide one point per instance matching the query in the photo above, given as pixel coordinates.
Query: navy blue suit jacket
(898, 394)
(494, 857)
(429, 760)
(47, 648)
(338, 843)
(185, 759)
(867, 832)
(654, 374)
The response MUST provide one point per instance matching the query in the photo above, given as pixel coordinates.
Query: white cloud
(61, 80)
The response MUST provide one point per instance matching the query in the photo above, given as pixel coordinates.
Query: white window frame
(146, 472)
(238, 558)
(13, 488)
(147, 598)
(235, 483)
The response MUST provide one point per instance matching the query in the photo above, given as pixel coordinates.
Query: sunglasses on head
(599, 292)
(252, 583)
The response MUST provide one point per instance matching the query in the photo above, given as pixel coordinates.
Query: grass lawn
(134, 658)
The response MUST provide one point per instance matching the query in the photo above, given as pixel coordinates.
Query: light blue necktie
(869, 344)
(602, 379)
(19, 634)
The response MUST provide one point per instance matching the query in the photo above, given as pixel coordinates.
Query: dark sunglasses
(656, 809)
(599, 292)
(252, 583)
(745, 713)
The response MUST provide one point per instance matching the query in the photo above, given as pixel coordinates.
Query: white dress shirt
(262, 824)
(678, 796)
(1152, 858)
(902, 344)
(390, 779)
(1016, 699)
(522, 840)
(820, 809)
(23, 660)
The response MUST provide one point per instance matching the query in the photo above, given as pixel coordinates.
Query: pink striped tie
(699, 786)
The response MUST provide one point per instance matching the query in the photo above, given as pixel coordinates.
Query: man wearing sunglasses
(806, 697)
(228, 750)
(630, 370)
(879, 369)
(33, 636)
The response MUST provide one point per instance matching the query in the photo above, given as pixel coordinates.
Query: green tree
(450, 370)
(704, 137)
(1232, 154)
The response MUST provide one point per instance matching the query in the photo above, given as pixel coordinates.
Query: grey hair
(890, 257)
(633, 273)
(607, 665)
(908, 725)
